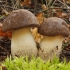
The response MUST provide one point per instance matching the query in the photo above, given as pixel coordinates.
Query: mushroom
(22, 41)
(53, 29)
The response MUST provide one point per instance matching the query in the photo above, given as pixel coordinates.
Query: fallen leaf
(25, 2)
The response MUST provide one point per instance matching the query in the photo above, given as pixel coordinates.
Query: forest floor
(61, 9)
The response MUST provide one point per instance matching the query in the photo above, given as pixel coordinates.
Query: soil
(5, 48)
(65, 53)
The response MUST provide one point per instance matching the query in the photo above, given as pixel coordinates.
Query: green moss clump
(23, 63)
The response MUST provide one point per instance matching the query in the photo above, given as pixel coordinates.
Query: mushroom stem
(50, 46)
(23, 43)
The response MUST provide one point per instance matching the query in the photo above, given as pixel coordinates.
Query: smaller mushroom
(53, 29)
(22, 41)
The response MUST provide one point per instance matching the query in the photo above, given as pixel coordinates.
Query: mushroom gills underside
(50, 46)
(22, 43)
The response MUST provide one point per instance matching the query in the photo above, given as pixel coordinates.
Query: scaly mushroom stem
(50, 46)
(23, 43)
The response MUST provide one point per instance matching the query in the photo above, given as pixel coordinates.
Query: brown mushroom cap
(19, 19)
(54, 26)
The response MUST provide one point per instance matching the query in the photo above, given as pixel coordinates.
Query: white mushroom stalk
(50, 46)
(23, 43)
